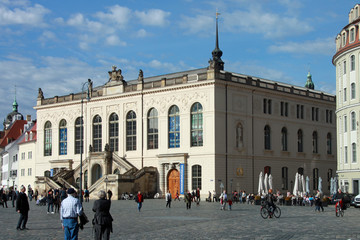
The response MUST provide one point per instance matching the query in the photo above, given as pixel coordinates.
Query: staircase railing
(51, 183)
(122, 162)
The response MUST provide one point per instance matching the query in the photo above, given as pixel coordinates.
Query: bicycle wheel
(277, 212)
(337, 211)
(264, 213)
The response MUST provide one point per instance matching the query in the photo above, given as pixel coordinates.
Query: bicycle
(339, 211)
(266, 211)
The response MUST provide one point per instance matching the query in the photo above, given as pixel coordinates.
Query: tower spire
(216, 62)
(15, 105)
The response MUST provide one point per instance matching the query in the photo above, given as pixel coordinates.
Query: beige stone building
(203, 128)
(346, 61)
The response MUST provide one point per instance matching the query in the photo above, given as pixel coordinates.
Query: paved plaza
(205, 221)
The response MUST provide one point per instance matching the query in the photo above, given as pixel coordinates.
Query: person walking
(109, 193)
(50, 201)
(22, 207)
(223, 200)
(197, 194)
(69, 211)
(102, 219)
(36, 194)
(4, 198)
(168, 199)
(320, 196)
(188, 199)
(63, 194)
(177, 196)
(139, 199)
(13, 197)
(87, 195)
(214, 196)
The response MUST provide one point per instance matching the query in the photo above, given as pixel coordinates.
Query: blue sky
(58, 45)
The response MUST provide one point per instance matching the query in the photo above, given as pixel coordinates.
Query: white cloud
(25, 15)
(259, 21)
(141, 33)
(318, 46)
(79, 21)
(114, 40)
(198, 24)
(117, 16)
(168, 67)
(153, 17)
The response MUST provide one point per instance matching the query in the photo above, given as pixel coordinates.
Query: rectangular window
(284, 109)
(344, 94)
(345, 123)
(352, 35)
(30, 155)
(344, 67)
(327, 116)
(29, 171)
(343, 40)
(313, 114)
(346, 154)
(22, 172)
(23, 156)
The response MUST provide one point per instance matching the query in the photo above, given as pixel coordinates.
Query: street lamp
(87, 84)
(106, 181)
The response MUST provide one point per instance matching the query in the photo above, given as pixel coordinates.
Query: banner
(182, 174)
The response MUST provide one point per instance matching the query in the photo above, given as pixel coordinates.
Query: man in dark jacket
(102, 218)
(22, 207)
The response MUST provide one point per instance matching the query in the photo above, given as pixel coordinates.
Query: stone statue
(91, 148)
(108, 159)
(141, 76)
(40, 94)
(115, 75)
(90, 88)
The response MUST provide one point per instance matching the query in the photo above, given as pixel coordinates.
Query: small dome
(309, 83)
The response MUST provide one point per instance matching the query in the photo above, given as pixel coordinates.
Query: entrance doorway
(96, 173)
(174, 182)
(356, 187)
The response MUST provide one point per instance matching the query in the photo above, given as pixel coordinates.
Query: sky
(58, 45)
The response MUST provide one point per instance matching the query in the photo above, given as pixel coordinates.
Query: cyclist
(339, 197)
(270, 201)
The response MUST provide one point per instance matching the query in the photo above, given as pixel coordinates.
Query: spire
(15, 105)
(216, 62)
(309, 83)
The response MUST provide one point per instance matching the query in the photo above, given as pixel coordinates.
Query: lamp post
(87, 84)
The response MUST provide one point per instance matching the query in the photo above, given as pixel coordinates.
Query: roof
(34, 135)
(14, 132)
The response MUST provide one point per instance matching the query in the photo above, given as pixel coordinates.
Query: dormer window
(356, 12)
(31, 136)
(343, 40)
(26, 137)
(352, 35)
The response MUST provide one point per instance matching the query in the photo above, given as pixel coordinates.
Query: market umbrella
(307, 184)
(320, 185)
(303, 184)
(270, 181)
(266, 183)
(261, 184)
(296, 184)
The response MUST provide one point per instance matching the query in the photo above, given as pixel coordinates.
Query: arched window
(300, 141)
(353, 91)
(174, 127)
(284, 146)
(267, 137)
(152, 129)
(79, 136)
(284, 174)
(131, 131)
(97, 134)
(315, 142)
(47, 139)
(316, 178)
(196, 177)
(353, 121)
(114, 132)
(116, 171)
(239, 136)
(63, 138)
(196, 125)
(353, 145)
(328, 143)
(267, 170)
(352, 58)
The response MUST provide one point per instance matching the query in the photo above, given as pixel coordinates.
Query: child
(230, 203)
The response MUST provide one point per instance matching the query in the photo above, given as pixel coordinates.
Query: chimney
(28, 118)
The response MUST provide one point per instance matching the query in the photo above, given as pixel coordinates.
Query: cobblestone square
(205, 221)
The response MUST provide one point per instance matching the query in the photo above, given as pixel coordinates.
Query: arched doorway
(174, 182)
(96, 173)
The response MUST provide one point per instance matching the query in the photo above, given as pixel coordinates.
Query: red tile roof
(14, 132)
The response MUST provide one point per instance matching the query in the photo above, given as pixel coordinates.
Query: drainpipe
(142, 129)
(226, 137)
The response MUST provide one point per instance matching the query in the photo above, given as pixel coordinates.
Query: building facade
(205, 128)
(346, 61)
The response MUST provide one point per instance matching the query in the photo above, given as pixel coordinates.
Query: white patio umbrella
(303, 184)
(320, 184)
(266, 183)
(296, 184)
(270, 182)
(307, 184)
(261, 184)
(299, 183)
